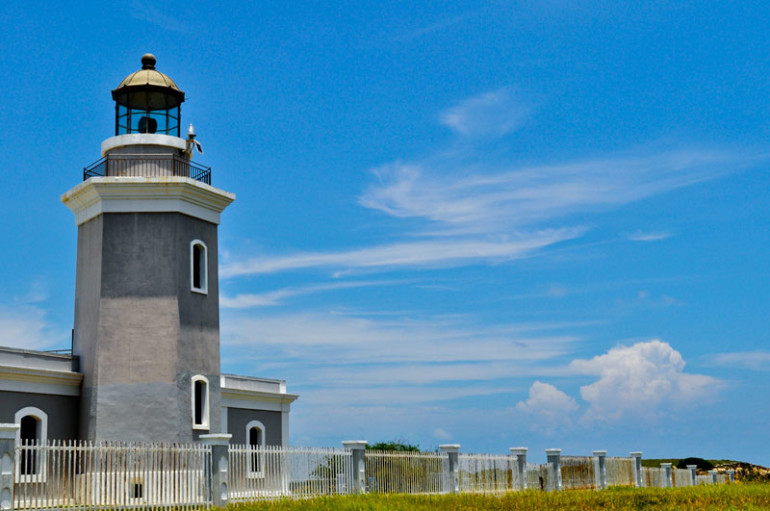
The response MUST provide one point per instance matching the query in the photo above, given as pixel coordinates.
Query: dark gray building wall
(237, 418)
(62, 411)
(140, 331)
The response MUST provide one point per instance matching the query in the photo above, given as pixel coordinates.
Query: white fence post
(731, 475)
(668, 481)
(357, 449)
(601, 468)
(693, 473)
(220, 465)
(637, 455)
(452, 476)
(714, 477)
(521, 465)
(554, 458)
(7, 453)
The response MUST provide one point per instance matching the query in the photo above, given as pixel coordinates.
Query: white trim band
(168, 194)
(143, 139)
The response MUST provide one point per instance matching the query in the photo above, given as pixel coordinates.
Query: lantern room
(147, 101)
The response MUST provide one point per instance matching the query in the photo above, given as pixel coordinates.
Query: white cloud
(484, 198)
(640, 380)
(441, 253)
(334, 338)
(492, 114)
(549, 407)
(441, 434)
(758, 360)
(26, 327)
(273, 298)
(649, 236)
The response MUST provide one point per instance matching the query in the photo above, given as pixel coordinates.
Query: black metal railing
(147, 165)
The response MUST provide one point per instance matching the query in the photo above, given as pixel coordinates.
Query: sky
(499, 224)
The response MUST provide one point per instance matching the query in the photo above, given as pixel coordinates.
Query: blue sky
(505, 223)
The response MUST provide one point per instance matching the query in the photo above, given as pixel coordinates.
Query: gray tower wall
(140, 332)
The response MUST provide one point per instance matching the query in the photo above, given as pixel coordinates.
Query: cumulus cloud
(639, 380)
(548, 406)
(492, 114)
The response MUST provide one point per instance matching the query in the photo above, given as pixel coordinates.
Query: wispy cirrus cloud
(434, 253)
(483, 199)
(491, 114)
(649, 236)
(277, 297)
(27, 327)
(758, 360)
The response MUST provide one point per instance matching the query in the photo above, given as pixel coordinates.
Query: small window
(198, 267)
(255, 436)
(32, 438)
(200, 402)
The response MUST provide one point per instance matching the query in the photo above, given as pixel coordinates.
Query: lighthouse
(146, 328)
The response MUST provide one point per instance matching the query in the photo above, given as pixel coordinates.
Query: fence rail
(116, 475)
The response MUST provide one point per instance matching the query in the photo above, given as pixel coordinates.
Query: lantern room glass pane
(133, 120)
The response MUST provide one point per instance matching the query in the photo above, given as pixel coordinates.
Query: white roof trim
(39, 381)
(165, 194)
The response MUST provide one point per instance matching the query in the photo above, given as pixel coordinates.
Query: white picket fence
(258, 473)
(88, 475)
(405, 472)
(487, 473)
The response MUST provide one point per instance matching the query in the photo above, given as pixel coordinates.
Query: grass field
(705, 497)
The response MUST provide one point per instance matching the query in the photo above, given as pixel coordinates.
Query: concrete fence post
(7, 462)
(714, 477)
(667, 482)
(638, 479)
(601, 468)
(731, 475)
(521, 465)
(452, 476)
(554, 459)
(219, 484)
(357, 449)
(693, 473)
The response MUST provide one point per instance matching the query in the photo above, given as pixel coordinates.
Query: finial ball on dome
(148, 61)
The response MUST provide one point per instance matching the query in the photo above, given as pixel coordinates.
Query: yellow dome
(148, 88)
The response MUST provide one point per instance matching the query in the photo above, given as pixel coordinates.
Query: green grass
(705, 497)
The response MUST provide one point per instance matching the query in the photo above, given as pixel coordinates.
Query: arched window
(199, 267)
(255, 437)
(31, 436)
(200, 402)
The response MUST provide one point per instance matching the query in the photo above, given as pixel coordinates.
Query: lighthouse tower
(146, 325)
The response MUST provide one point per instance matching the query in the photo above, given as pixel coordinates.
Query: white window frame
(204, 268)
(204, 424)
(41, 417)
(261, 427)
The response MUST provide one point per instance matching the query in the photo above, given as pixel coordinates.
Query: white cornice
(256, 400)
(40, 381)
(166, 194)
